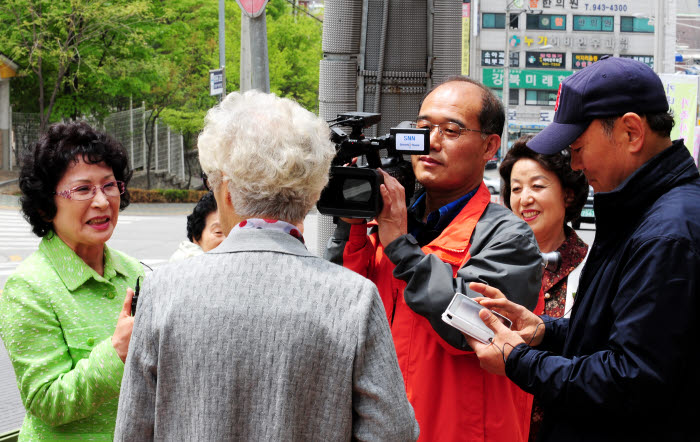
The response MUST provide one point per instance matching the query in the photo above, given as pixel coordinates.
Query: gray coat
(261, 340)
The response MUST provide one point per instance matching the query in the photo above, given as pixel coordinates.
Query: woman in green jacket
(63, 316)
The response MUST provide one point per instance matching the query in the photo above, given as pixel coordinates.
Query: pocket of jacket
(81, 341)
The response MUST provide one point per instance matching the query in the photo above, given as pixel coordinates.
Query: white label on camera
(409, 142)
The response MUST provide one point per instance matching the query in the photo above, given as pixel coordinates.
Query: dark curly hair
(196, 221)
(558, 163)
(48, 159)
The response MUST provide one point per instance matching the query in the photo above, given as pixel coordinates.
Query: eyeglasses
(449, 130)
(205, 182)
(88, 191)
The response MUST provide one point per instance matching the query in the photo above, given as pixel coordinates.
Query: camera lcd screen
(352, 192)
(357, 191)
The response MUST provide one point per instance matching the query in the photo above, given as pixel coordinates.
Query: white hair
(275, 154)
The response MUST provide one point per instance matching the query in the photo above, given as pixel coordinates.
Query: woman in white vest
(546, 193)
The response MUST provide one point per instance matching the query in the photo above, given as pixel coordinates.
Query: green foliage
(294, 50)
(276, 8)
(67, 50)
(88, 58)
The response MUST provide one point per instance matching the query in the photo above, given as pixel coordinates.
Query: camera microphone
(135, 298)
(551, 261)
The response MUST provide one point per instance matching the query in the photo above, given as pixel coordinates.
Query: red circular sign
(252, 8)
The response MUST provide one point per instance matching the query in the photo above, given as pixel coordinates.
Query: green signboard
(525, 78)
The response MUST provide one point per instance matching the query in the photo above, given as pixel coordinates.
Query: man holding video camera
(624, 366)
(420, 256)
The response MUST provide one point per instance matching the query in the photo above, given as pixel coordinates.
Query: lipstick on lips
(99, 222)
(529, 215)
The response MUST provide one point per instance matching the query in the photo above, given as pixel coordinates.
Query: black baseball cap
(607, 88)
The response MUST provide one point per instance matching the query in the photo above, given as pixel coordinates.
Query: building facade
(8, 69)
(548, 40)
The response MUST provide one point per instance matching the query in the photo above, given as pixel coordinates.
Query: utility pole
(222, 47)
(658, 34)
(506, 70)
(506, 81)
(255, 72)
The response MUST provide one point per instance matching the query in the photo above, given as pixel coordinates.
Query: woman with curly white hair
(273, 155)
(258, 339)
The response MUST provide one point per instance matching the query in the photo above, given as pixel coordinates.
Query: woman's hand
(528, 325)
(125, 324)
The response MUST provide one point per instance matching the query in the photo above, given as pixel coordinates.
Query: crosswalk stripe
(16, 236)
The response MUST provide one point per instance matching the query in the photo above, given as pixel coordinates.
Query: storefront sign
(646, 59)
(545, 60)
(495, 58)
(466, 32)
(593, 23)
(547, 116)
(682, 95)
(580, 41)
(580, 61)
(525, 78)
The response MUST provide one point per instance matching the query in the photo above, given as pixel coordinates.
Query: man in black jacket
(624, 367)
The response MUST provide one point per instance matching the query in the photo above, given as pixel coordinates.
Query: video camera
(353, 191)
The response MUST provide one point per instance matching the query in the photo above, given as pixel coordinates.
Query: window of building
(493, 21)
(540, 98)
(634, 24)
(495, 58)
(498, 20)
(593, 23)
(515, 21)
(512, 93)
(546, 22)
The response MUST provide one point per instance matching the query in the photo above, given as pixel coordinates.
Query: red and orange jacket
(453, 398)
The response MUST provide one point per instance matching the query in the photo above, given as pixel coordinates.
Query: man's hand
(392, 219)
(493, 356)
(528, 325)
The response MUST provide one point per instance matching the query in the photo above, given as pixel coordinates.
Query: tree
(294, 48)
(88, 58)
(59, 42)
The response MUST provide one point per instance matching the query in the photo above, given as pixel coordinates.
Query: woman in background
(546, 193)
(63, 317)
(203, 230)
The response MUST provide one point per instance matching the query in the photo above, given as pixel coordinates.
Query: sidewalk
(8, 182)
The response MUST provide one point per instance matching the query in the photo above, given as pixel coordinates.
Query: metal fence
(128, 127)
(25, 131)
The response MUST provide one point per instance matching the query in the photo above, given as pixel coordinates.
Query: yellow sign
(466, 13)
(6, 71)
